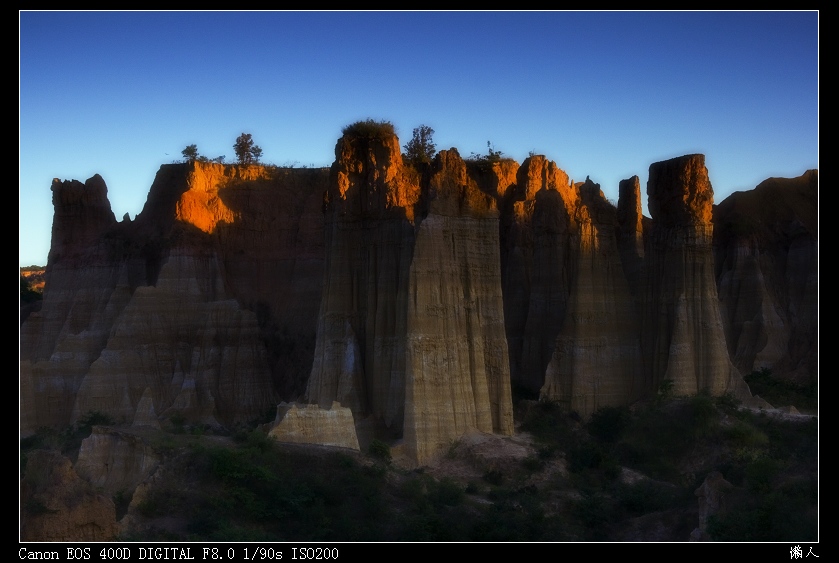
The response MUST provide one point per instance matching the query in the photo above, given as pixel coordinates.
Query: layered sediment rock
(410, 332)
(457, 369)
(206, 301)
(683, 338)
(311, 424)
(414, 297)
(57, 505)
(766, 264)
(596, 360)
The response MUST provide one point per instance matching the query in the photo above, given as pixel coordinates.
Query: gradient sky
(603, 94)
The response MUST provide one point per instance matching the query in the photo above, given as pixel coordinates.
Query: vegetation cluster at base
(573, 487)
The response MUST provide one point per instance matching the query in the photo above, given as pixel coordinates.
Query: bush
(370, 129)
(608, 423)
(27, 294)
(780, 392)
(380, 451)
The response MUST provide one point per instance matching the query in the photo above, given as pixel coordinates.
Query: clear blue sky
(602, 94)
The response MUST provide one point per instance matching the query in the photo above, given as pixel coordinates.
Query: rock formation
(310, 424)
(601, 304)
(537, 264)
(597, 357)
(458, 370)
(711, 496)
(414, 297)
(115, 461)
(683, 338)
(766, 267)
(57, 505)
(410, 332)
(206, 301)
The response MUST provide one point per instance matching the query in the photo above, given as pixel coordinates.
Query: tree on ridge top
(421, 148)
(246, 151)
(190, 153)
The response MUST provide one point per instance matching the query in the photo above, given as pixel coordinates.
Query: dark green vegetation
(625, 475)
(247, 152)
(66, 441)
(190, 153)
(771, 463)
(370, 129)
(780, 392)
(421, 148)
(27, 293)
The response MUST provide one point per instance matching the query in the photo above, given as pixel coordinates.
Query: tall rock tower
(683, 339)
(411, 327)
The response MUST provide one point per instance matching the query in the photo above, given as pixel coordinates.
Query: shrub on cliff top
(370, 129)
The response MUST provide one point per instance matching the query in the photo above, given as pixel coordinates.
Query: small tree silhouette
(190, 153)
(421, 148)
(246, 151)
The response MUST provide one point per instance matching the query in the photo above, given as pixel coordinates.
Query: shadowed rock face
(573, 321)
(766, 266)
(207, 299)
(683, 339)
(538, 219)
(602, 305)
(57, 505)
(410, 331)
(596, 359)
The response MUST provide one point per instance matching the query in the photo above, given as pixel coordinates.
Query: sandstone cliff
(410, 331)
(683, 338)
(207, 300)
(414, 297)
(57, 505)
(766, 267)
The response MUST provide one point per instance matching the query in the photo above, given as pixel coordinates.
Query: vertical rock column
(538, 267)
(457, 369)
(596, 360)
(683, 338)
(411, 327)
(359, 356)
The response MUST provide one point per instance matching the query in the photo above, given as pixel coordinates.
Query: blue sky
(603, 94)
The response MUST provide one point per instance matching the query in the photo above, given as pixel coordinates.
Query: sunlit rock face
(207, 300)
(766, 260)
(410, 332)
(311, 424)
(683, 338)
